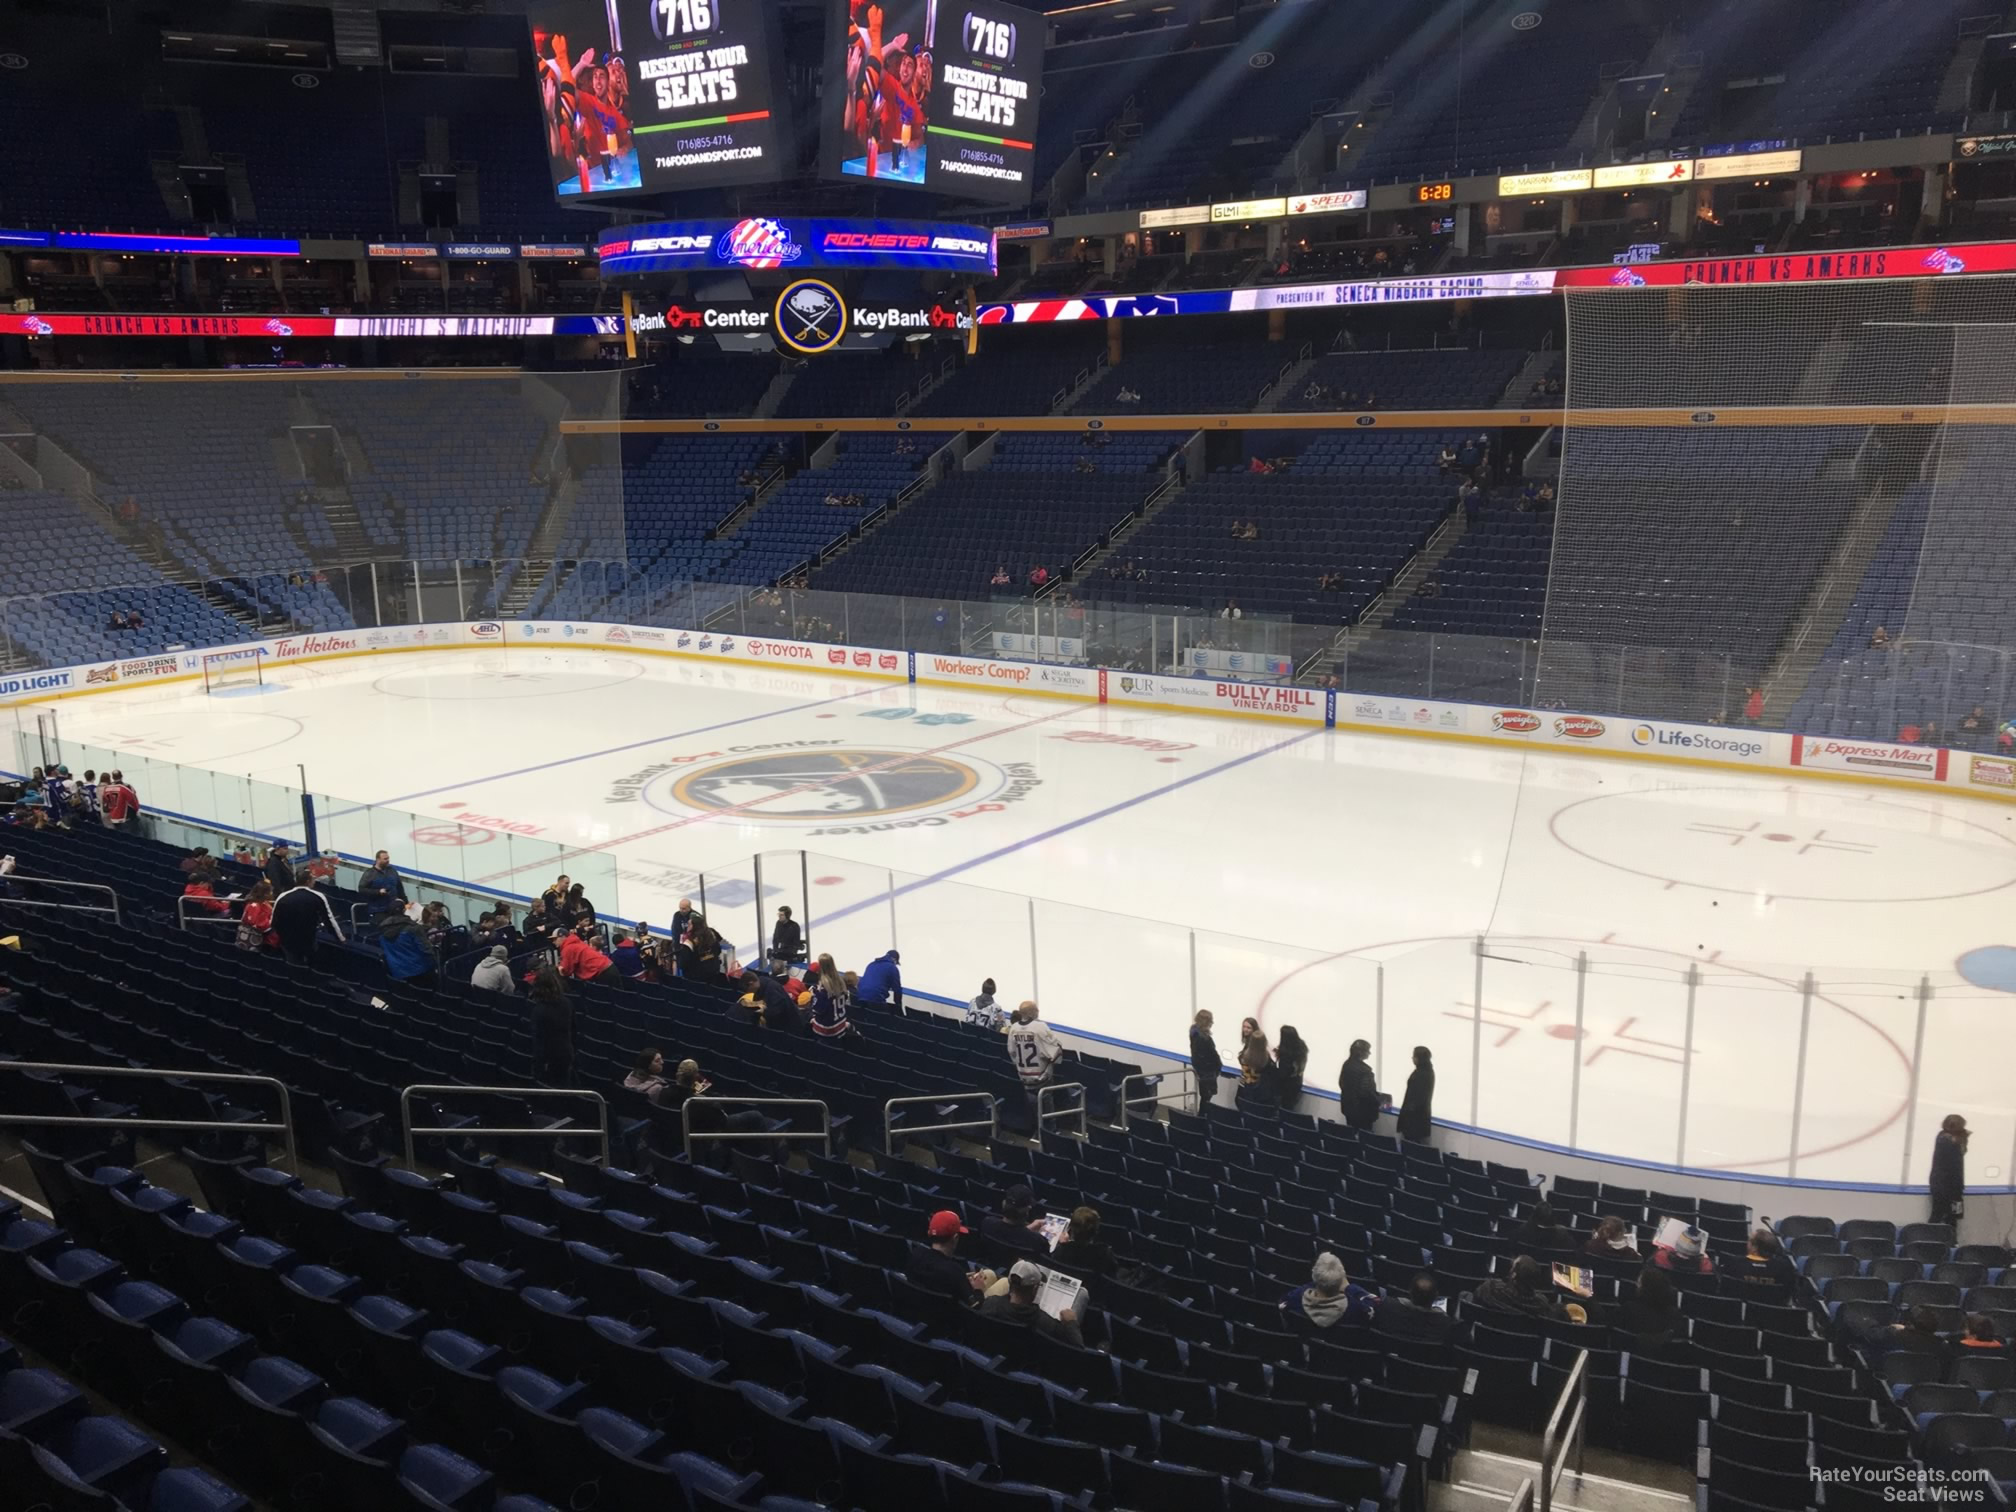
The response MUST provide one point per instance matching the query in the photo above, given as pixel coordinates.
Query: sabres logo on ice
(827, 784)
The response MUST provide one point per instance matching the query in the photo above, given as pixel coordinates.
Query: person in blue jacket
(408, 957)
(881, 983)
(381, 884)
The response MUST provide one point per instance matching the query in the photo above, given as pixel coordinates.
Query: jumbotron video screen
(648, 95)
(940, 95)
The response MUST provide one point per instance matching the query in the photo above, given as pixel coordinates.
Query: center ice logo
(822, 784)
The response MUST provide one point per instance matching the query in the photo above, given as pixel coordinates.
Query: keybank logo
(1700, 742)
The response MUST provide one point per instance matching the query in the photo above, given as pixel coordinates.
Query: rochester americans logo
(757, 243)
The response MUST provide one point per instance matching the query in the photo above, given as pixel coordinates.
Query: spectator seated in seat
(1330, 1298)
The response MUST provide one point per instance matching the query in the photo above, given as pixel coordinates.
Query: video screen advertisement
(646, 95)
(939, 95)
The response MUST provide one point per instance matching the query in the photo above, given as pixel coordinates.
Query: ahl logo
(1515, 721)
(486, 630)
(1578, 727)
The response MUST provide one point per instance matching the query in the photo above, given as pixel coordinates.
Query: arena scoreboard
(940, 95)
(1434, 194)
(641, 96)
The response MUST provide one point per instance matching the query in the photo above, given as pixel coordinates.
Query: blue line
(634, 745)
(1069, 825)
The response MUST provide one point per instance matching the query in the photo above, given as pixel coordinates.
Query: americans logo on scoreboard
(757, 243)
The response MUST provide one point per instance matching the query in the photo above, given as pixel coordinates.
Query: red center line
(803, 787)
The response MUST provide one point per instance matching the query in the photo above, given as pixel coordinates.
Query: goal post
(227, 671)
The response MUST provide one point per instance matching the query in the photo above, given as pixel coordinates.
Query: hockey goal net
(224, 671)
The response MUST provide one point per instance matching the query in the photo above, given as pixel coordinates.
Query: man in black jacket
(787, 941)
(298, 916)
(279, 868)
(937, 1266)
(1357, 1089)
(1204, 1059)
(1414, 1316)
(1011, 1226)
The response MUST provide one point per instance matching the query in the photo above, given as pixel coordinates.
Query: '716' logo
(672, 19)
(987, 37)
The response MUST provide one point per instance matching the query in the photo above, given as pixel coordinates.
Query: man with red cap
(936, 1266)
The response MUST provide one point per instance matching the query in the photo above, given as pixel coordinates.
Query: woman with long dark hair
(1291, 1059)
(552, 1029)
(1417, 1107)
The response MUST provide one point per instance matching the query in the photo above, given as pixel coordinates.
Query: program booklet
(1058, 1292)
(1573, 1278)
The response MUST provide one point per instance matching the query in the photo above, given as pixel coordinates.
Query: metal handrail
(284, 1128)
(600, 1131)
(1522, 1496)
(1566, 1427)
(824, 1133)
(991, 1123)
(184, 918)
(1154, 1079)
(1083, 1110)
(18, 878)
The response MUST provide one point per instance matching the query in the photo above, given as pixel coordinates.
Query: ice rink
(1333, 880)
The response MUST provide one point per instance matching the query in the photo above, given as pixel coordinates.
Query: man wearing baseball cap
(936, 1266)
(1016, 1225)
(1025, 1279)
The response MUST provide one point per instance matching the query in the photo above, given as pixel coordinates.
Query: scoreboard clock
(1434, 194)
